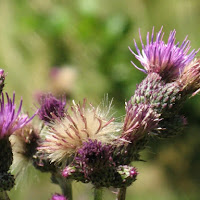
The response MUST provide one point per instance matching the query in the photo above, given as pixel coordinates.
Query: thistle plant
(10, 122)
(83, 142)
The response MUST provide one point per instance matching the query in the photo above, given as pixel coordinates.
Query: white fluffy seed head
(82, 122)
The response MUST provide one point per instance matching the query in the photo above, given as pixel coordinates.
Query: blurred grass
(91, 36)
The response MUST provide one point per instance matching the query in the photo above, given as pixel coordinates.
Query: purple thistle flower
(133, 172)
(94, 154)
(51, 108)
(94, 163)
(91, 158)
(68, 171)
(10, 119)
(167, 59)
(139, 120)
(58, 197)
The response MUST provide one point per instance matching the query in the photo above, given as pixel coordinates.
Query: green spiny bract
(7, 181)
(6, 155)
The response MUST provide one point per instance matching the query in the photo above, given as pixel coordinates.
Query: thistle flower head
(58, 197)
(190, 78)
(91, 159)
(10, 119)
(68, 171)
(94, 154)
(168, 59)
(139, 120)
(51, 107)
(94, 163)
(81, 123)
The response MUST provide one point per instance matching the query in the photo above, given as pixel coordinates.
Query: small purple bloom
(133, 172)
(10, 119)
(68, 171)
(167, 59)
(51, 107)
(58, 197)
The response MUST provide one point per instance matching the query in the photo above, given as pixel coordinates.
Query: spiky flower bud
(51, 108)
(165, 99)
(68, 171)
(160, 95)
(139, 120)
(58, 197)
(127, 175)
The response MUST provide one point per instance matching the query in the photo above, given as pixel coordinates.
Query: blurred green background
(87, 40)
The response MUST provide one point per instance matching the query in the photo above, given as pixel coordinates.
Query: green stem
(98, 193)
(121, 194)
(67, 188)
(4, 196)
(65, 185)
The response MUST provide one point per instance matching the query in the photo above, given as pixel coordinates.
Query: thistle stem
(121, 194)
(4, 196)
(67, 189)
(98, 193)
(65, 185)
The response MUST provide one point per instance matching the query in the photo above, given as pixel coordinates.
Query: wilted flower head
(10, 119)
(190, 78)
(168, 59)
(58, 197)
(24, 145)
(51, 107)
(81, 123)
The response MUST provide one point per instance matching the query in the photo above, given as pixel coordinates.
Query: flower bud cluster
(173, 75)
(94, 163)
(85, 143)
